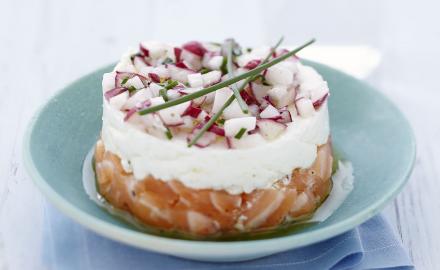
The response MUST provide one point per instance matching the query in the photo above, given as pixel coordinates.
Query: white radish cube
(243, 59)
(161, 71)
(260, 91)
(233, 126)
(211, 77)
(270, 129)
(118, 101)
(282, 96)
(155, 49)
(155, 88)
(138, 97)
(193, 61)
(254, 109)
(135, 82)
(145, 70)
(221, 96)
(157, 101)
(125, 66)
(179, 74)
(108, 81)
(139, 63)
(173, 94)
(195, 80)
(279, 75)
(234, 111)
(215, 62)
(305, 107)
(270, 112)
(172, 116)
(248, 141)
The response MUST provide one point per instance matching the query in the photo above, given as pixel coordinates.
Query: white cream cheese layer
(233, 170)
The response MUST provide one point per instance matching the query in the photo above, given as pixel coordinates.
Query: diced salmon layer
(170, 205)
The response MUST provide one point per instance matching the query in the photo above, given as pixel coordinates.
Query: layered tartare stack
(244, 156)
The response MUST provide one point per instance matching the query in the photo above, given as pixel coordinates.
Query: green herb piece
(240, 133)
(171, 84)
(163, 94)
(230, 67)
(205, 70)
(124, 80)
(167, 61)
(228, 82)
(221, 121)
(169, 134)
(131, 89)
(223, 67)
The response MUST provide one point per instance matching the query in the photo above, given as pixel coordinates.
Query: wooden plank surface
(46, 44)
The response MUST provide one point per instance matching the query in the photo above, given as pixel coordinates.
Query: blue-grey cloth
(69, 246)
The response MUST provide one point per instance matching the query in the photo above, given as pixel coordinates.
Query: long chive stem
(228, 82)
(231, 99)
(230, 67)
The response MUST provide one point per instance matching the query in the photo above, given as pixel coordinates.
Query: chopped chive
(204, 70)
(124, 80)
(167, 61)
(240, 133)
(171, 84)
(221, 121)
(163, 94)
(131, 89)
(230, 68)
(169, 134)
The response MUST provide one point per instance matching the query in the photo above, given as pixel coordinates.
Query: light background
(45, 44)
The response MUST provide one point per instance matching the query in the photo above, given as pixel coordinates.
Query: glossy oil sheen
(367, 129)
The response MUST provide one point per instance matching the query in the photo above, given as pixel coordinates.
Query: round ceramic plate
(367, 129)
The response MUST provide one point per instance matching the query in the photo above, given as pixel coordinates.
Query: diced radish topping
(217, 130)
(172, 116)
(279, 75)
(122, 77)
(134, 82)
(233, 111)
(154, 77)
(195, 80)
(259, 91)
(248, 141)
(320, 101)
(270, 129)
(155, 89)
(157, 101)
(254, 109)
(177, 53)
(108, 81)
(173, 94)
(215, 62)
(144, 50)
(192, 111)
(233, 126)
(252, 64)
(137, 98)
(161, 71)
(270, 112)
(195, 48)
(281, 96)
(191, 60)
(286, 117)
(211, 77)
(114, 92)
(155, 49)
(138, 107)
(140, 63)
(206, 139)
(119, 100)
(221, 96)
(305, 107)
(179, 74)
(248, 98)
(188, 123)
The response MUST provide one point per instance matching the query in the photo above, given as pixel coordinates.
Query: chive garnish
(131, 89)
(124, 80)
(231, 98)
(169, 134)
(230, 68)
(228, 82)
(204, 70)
(240, 133)
(163, 94)
(167, 61)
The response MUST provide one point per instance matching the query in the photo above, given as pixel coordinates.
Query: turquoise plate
(367, 129)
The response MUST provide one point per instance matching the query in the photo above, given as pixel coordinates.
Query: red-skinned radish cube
(233, 126)
(270, 112)
(270, 129)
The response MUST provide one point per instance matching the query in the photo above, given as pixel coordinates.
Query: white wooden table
(46, 44)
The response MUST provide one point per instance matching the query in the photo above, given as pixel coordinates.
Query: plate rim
(208, 249)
